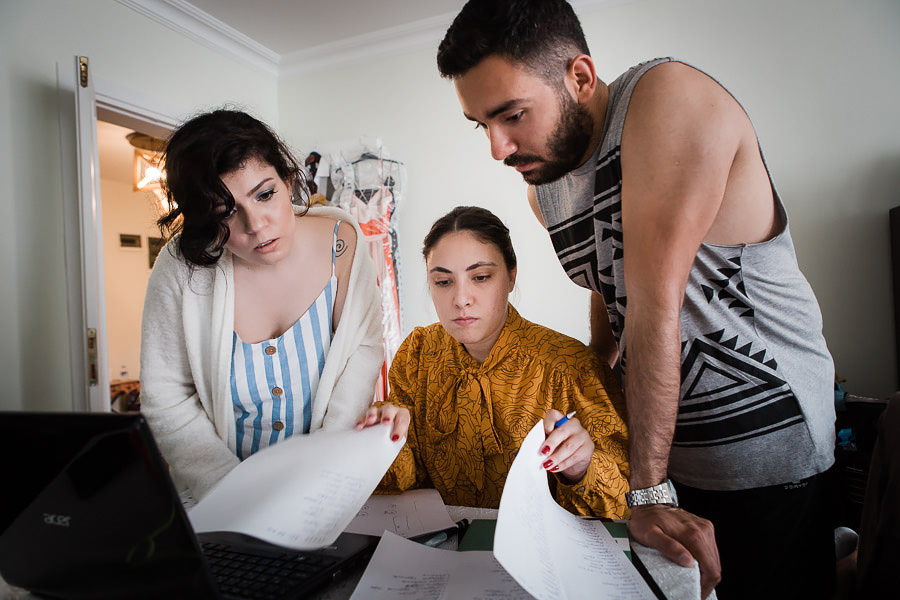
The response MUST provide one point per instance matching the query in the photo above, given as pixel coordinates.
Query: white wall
(818, 77)
(176, 76)
(126, 271)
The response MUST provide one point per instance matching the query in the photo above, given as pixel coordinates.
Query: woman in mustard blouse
(467, 390)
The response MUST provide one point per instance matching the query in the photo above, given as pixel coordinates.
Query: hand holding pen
(568, 448)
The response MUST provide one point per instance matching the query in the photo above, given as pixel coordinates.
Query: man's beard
(566, 145)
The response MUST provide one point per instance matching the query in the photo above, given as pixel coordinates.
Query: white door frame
(81, 101)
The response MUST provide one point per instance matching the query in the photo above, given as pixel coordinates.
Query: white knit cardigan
(186, 343)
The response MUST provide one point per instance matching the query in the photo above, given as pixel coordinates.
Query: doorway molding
(80, 108)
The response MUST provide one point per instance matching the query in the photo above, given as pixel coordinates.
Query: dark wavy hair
(481, 222)
(541, 35)
(197, 155)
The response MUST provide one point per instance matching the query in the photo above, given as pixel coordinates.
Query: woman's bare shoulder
(346, 239)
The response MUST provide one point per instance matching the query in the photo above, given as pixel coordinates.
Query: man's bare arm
(681, 136)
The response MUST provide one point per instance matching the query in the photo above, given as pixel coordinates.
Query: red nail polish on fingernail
(545, 450)
(395, 437)
(547, 463)
(556, 468)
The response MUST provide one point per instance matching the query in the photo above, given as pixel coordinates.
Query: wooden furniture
(125, 395)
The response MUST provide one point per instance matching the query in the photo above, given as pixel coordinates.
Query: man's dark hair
(197, 155)
(481, 223)
(541, 35)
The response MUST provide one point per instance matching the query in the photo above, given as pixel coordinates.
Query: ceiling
(290, 26)
(280, 37)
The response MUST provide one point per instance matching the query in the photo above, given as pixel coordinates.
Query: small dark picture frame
(154, 245)
(129, 240)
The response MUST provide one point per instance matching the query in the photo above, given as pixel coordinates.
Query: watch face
(672, 494)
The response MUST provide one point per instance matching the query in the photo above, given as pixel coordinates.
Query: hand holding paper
(386, 414)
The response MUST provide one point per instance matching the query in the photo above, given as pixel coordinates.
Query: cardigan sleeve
(407, 471)
(601, 492)
(170, 401)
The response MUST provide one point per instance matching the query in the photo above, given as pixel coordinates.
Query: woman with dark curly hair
(262, 318)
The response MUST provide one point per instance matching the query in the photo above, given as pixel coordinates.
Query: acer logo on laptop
(58, 520)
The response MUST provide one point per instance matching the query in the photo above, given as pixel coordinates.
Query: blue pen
(564, 419)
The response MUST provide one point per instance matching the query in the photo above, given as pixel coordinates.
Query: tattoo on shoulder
(340, 246)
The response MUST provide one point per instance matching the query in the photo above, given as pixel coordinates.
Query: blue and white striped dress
(274, 382)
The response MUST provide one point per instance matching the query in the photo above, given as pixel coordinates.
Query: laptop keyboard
(262, 577)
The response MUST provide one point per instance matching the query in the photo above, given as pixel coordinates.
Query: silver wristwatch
(664, 493)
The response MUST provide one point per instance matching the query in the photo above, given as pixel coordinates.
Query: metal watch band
(658, 494)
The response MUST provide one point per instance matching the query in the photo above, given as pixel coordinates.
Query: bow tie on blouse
(474, 393)
(473, 402)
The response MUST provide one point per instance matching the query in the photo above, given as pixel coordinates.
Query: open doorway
(131, 241)
(81, 106)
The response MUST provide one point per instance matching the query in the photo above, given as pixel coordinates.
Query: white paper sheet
(301, 492)
(409, 514)
(404, 570)
(552, 553)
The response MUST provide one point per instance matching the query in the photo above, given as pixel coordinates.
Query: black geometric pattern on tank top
(729, 289)
(730, 392)
(582, 238)
(608, 222)
(573, 240)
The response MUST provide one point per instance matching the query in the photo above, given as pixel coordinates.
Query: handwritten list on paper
(409, 514)
(552, 553)
(304, 491)
(326, 500)
(403, 569)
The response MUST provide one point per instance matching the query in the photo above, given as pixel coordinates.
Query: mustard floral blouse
(469, 419)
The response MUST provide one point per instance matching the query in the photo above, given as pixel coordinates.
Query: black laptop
(88, 510)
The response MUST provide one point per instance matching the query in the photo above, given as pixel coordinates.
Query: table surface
(673, 580)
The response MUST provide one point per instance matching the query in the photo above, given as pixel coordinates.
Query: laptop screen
(89, 511)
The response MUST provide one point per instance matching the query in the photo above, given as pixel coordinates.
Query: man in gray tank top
(656, 196)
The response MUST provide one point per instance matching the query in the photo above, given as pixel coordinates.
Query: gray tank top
(757, 380)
